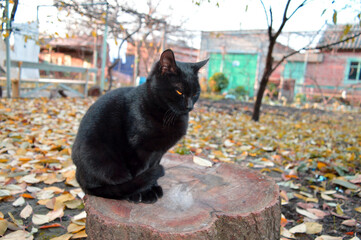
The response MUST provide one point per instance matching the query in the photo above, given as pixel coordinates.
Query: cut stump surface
(222, 202)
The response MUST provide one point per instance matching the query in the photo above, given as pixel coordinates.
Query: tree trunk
(264, 80)
(224, 201)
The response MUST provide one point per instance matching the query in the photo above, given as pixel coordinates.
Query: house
(240, 55)
(79, 51)
(331, 71)
(339, 72)
(148, 53)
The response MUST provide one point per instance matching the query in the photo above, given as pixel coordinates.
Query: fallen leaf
(3, 226)
(301, 228)
(31, 178)
(18, 235)
(350, 222)
(26, 212)
(326, 197)
(358, 209)
(319, 213)
(306, 213)
(79, 216)
(54, 225)
(63, 237)
(73, 204)
(19, 202)
(40, 219)
(74, 228)
(52, 215)
(80, 234)
(313, 227)
(345, 184)
(202, 162)
(327, 237)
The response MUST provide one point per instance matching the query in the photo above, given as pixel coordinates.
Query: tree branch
(284, 20)
(315, 48)
(265, 12)
(301, 5)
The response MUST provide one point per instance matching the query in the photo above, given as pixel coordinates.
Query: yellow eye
(180, 93)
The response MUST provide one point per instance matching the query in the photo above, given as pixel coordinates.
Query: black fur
(124, 134)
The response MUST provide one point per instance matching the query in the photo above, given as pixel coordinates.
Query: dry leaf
(313, 227)
(319, 213)
(18, 235)
(358, 209)
(350, 222)
(3, 226)
(79, 216)
(40, 219)
(52, 215)
(80, 234)
(306, 213)
(301, 228)
(74, 228)
(19, 202)
(26, 212)
(202, 162)
(327, 237)
(73, 204)
(63, 237)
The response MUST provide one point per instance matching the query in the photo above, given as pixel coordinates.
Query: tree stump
(222, 202)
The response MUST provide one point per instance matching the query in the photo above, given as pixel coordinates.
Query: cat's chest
(154, 133)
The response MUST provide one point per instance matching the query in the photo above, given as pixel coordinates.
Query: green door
(240, 69)
(296, 71)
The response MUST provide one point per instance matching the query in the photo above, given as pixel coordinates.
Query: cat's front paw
(148, 196)
(152, 195)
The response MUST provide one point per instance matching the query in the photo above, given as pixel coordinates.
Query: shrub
(239, 92)
(218, 82)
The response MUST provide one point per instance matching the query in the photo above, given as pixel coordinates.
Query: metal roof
(336, 33)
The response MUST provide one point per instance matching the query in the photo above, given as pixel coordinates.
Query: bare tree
(270, 66)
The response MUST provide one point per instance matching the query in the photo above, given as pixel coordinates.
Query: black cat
(124, 134)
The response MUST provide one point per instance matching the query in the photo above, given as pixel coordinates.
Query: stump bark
(222, 202)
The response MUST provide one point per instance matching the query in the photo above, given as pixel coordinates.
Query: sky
(229, 15)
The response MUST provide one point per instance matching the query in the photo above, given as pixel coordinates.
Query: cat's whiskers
(169, 118)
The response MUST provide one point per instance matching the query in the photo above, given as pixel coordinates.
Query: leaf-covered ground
(313, 155)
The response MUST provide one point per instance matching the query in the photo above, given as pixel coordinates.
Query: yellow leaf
(277, 170)
(3, 226)
(94, 34)
(63, 237)
(339, 210)
(6, 34)
(74, 228)
(321, 165)
(358, 209)
(80, 234)
(300, 196)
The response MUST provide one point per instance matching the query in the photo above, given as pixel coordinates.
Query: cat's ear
(199, 65)
(167, 62)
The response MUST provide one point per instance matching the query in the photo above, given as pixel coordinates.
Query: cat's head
(175, 83)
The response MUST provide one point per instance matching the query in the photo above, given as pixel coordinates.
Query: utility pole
(104, 53)
(7, 42)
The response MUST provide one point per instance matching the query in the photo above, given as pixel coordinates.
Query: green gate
(296, 71)
(240, 69)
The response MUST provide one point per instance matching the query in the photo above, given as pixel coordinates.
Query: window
(354, 71)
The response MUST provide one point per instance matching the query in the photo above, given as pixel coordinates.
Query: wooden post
(17, 82)
(86, 83)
